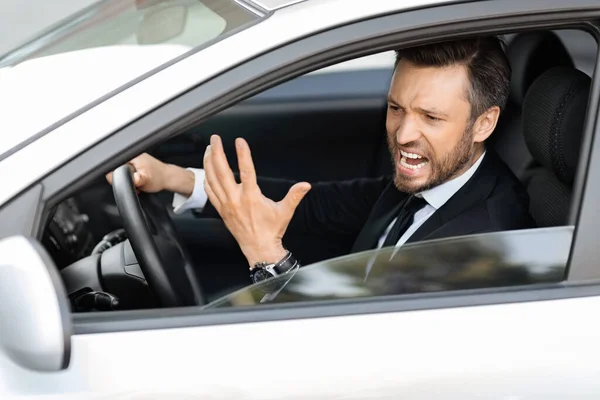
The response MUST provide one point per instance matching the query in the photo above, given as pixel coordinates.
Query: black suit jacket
(493, 199)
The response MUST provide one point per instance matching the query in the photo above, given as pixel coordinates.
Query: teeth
(409, 166)
(410, 155)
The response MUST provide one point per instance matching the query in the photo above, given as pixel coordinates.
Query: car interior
(330, 125)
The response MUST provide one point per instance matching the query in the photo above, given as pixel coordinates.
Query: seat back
(553, 118)
(530, 54)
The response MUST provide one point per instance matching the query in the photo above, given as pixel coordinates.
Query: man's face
(428, 126)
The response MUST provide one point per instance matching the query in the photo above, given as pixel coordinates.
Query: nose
(408, 131)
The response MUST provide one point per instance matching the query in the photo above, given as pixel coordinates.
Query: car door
(526, 342)
(453, 344)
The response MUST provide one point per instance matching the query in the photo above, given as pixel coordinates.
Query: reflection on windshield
(474, 262)
(96, 53)
(186, 23)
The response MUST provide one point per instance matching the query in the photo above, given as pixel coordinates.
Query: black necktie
(404, 220)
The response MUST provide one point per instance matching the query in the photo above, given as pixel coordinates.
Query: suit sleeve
(329, 208)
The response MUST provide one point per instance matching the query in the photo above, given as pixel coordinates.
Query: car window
(500, 259)
(107, 47)
(187, 23)
(384, 60)
(329, 128)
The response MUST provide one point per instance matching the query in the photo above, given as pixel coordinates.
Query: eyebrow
(390, 99)
(434, 111)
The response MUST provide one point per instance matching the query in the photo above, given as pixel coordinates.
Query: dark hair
(487, 67)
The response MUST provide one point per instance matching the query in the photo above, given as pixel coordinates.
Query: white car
(502, 315)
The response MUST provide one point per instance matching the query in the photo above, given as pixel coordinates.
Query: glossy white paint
(32, 327)
(97, 123)
(274, 4)
(524, 351)
(43, 90)
(505, 352)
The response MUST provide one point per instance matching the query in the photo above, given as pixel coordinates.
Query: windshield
(186, 23)
(99, 51)
(472, 262)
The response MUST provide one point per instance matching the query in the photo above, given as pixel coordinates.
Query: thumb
(295, 195)
(138, 179)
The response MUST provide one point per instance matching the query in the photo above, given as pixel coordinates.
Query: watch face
(260, 274)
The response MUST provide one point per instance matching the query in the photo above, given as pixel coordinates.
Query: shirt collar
(439, 195)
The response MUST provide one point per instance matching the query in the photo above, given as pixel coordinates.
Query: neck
(479, 149)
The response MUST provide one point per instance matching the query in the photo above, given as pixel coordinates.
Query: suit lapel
(475, 190)
(383, 213)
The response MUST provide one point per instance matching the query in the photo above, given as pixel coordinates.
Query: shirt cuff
(197, 199)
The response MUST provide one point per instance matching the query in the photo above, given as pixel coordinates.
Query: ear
(485, 124)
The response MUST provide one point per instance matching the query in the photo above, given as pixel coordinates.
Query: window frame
(311, 53)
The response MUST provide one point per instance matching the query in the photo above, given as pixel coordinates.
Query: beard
(442, 169)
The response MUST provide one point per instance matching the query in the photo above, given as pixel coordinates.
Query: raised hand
(257, 222)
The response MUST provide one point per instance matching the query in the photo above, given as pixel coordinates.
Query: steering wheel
(166, 264)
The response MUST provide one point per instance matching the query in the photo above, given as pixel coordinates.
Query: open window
(329, 125)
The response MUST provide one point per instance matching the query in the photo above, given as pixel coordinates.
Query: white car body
(168, 83)
(505, 350)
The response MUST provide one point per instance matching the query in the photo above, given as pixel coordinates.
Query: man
(443, 103)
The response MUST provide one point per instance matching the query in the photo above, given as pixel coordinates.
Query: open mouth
(412, 160)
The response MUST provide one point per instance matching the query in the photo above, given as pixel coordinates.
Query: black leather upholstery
(530, 54)
(553, 118)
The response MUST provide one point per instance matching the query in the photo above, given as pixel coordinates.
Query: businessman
(444, 101)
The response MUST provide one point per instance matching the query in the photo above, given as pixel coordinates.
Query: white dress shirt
(435, 198)
(197, 199)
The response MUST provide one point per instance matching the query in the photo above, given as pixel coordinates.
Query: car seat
(530, 54)
(554, 112)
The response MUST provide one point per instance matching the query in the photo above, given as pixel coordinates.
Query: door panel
(510, 351)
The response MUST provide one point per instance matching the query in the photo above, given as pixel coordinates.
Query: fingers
(220, 164)
(214, 200)
(295, 196)
(211, 178)
(218, 173)
(246, 165)
(138, 179)
(139, 163)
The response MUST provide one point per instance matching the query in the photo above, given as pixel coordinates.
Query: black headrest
(530, 54)
(553, 118)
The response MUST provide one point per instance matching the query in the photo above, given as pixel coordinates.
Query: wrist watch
(262, 270)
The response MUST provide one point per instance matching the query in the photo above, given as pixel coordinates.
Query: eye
(432, 118)
(395, 108)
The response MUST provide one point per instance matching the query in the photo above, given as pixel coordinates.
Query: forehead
(438, 86)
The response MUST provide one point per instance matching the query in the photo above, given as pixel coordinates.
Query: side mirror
(35, 318)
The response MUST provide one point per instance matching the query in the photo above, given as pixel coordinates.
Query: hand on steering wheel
(165, 263)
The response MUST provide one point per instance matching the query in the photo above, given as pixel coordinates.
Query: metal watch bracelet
(281, 267)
